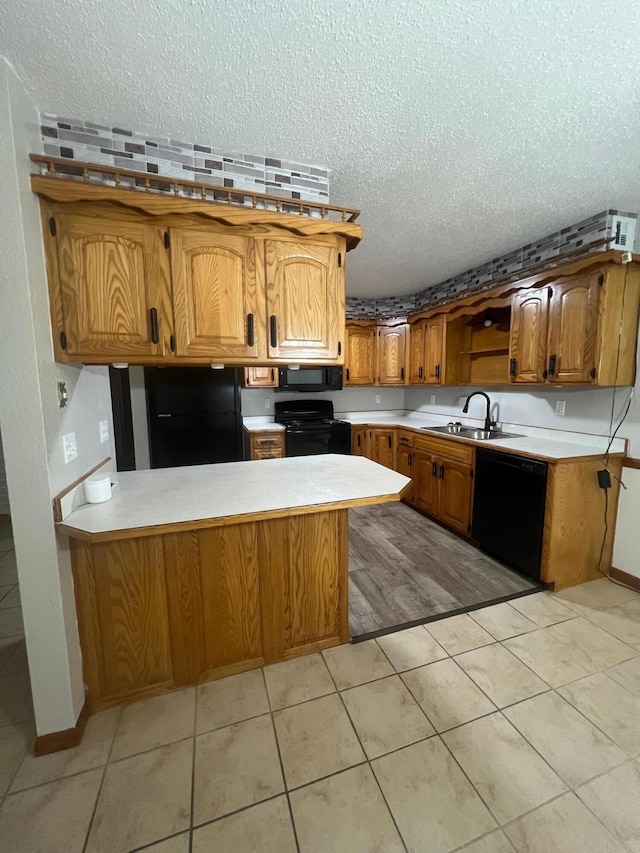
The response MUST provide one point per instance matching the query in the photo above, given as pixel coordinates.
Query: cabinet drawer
(267, 441)
(405, 439)
(266, 453)
(443, 447)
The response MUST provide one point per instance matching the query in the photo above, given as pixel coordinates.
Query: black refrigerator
(194, 415)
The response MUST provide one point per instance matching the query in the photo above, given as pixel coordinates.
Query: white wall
(626, 550)
(32, 424)
(4, 493)
(347, 400)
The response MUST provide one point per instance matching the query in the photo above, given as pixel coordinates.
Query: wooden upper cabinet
(392, 355)
(113, 281)
(573, 323)
(416, 353)
(261, 377)
(433, 348)
(528, 339)
(305, 300)
(359, 359)
(219, 309)
(426, 345)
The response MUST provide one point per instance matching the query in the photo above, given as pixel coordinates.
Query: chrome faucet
(488, 423)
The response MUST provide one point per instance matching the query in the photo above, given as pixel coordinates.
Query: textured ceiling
(462, 129)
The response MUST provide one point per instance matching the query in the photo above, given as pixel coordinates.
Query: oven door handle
(310, 432)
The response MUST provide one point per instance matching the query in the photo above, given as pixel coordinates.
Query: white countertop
(257, 424)
(165, 496)
(531, 440)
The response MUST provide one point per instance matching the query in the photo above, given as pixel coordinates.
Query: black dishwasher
(508, 509)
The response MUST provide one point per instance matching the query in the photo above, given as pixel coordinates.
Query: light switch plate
(378, 398)
(104, 431)
(560, 404)
(69, 447)
(267, 403)
(433, 400)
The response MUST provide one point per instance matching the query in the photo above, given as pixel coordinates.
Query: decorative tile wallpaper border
(126, 149)
(515, 265)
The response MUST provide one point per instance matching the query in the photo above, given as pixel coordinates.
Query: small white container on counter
(97, 490)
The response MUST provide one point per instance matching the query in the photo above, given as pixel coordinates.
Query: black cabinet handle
(552, 364)
(420, 372)
(172, 343)
(63, 340)
(512, 367)
(442, 472)
(273, 327)
(347, 374)
(250, 334)
(389, 441)
(437, 371)
(359, 441)
(409, 459)
(155, 335)
(339, 347)
(273, 375)
(434, 469)
(402, 373)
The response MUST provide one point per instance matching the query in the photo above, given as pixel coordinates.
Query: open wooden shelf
(484, 351)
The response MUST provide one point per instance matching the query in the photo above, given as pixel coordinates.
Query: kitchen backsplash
(516, 263)
(126, 149)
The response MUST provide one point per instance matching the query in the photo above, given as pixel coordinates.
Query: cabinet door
(392, 354)
(260, 377)
(425, 477)
(382, 446)
(305, 301)
(573, 322)
(528, 337)
(358, 439)
(433, 345)
(359, 359)
(218, 304)
(404, 465)
(454, 494)
(416, 354)
(114, 283)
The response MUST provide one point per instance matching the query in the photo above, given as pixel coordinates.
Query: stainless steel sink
(471, 432)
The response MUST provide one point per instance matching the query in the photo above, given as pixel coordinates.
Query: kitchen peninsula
(189, 574)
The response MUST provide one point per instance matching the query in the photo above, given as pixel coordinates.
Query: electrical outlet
(560, 404)
(104, 431)
(69, 447)
(432, 399)
(377, 398)
(267, 402)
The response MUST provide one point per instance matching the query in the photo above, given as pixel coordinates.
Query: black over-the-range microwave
(311, 379)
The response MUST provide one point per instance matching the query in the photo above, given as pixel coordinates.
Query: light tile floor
(516, 727)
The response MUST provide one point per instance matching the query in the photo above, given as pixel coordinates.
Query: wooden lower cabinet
(455, 484)
(405, 461)
(381, 446)
(443, 485)
(163, 611)
(268, 444)
(426, 482)
(358, 441)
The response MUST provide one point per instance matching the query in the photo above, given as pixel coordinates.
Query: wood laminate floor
(404, 568)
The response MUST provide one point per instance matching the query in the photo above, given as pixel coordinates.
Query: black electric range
(311, 429)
